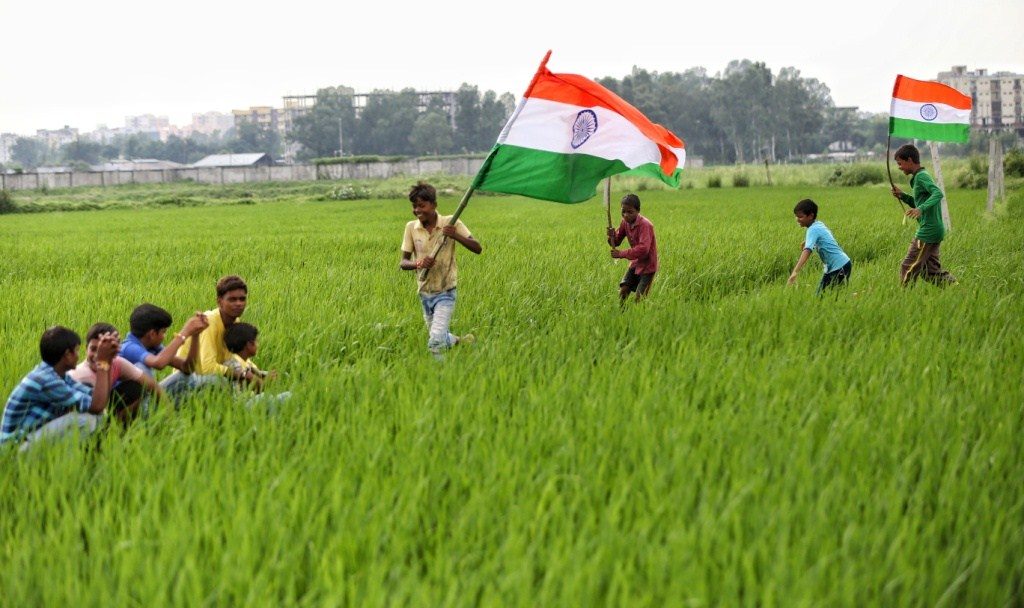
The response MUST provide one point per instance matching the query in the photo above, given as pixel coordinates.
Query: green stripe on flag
(551, 176)
(929, 131)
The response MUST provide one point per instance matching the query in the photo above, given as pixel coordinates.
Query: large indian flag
(567, 134)
(929, 110)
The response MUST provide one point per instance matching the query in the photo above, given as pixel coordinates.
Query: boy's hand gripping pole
(455, 217)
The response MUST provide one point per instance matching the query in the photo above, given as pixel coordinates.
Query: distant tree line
(392, 123)
(743, 114)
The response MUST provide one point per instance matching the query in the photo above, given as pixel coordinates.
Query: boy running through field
(838, 266)
(642, 253)
(922, 258)
(437, 289)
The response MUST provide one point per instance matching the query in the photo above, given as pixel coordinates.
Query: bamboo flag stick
(608, 199)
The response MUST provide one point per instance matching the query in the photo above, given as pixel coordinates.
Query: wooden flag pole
(888, 170)
(608, 199)
(455, 217)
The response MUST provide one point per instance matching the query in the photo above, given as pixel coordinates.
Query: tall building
(209, 123)
(996, 98)
(7, 147)
(55, 138)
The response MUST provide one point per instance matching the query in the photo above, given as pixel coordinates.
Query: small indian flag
(929, 110)
(567, 134)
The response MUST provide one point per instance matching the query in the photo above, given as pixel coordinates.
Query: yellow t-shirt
(212, 349)
(421, 243)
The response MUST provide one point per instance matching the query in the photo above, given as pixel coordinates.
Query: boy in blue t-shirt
(837, 264)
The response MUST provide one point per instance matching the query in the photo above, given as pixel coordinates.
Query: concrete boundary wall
(241, 175)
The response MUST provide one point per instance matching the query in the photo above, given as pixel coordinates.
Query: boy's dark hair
(238, 335)
(55, 342)
(423, 191)
(908, 152)
(632, 200)
(230, 283)
(146, 317)
(97, 329)
(806, 207)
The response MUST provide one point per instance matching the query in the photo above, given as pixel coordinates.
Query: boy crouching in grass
(48, 403)
(241, 341)
(437, 288)
(642, 253)
(838, 266)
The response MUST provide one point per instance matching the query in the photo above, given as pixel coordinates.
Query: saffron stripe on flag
(923, 91)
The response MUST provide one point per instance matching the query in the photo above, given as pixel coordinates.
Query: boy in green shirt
(926, 207)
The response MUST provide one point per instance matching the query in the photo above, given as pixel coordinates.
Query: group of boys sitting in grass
(62, 395)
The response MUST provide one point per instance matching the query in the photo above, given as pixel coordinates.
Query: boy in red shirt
(642, 252)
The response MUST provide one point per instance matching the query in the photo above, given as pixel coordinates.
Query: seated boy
(838, 266)
(47, 403)
(642, 253)
(240, 340)
(209, 371)
(144, 345)
(128, 381)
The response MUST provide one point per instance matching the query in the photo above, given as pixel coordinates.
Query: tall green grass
(730, 441)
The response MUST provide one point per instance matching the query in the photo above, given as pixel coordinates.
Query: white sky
(89, 63)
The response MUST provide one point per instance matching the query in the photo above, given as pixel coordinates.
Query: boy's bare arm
(105, 353)
(408, 263)
(466, 241)
(804, 256)
(168, 356)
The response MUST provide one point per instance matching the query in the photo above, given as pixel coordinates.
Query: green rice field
(730, 441)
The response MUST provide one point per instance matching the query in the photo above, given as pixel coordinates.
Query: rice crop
(729, 441)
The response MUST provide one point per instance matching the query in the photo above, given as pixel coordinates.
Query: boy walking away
(838, 266)
(241, 340)
(128, 381)
(437, 290)
(49, 404)
(144, 345)
(926, 207)
(642, 253)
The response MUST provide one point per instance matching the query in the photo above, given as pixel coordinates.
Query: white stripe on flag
(547, 125)
(912, 110)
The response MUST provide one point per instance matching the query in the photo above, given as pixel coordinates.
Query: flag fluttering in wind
(567, 134)
(929, 110)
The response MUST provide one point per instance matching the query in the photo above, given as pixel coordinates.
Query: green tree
(318, 129)
(494, 113)
(28, 152)
(468, 117)
(254, 138)
(431, 134)
(83, 152)
(387, 121)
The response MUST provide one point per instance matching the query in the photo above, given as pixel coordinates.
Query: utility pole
(341, 137)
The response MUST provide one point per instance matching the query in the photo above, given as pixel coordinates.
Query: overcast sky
(89, 63)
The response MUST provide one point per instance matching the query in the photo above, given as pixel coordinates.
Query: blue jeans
(177, 385)
(437, 313)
